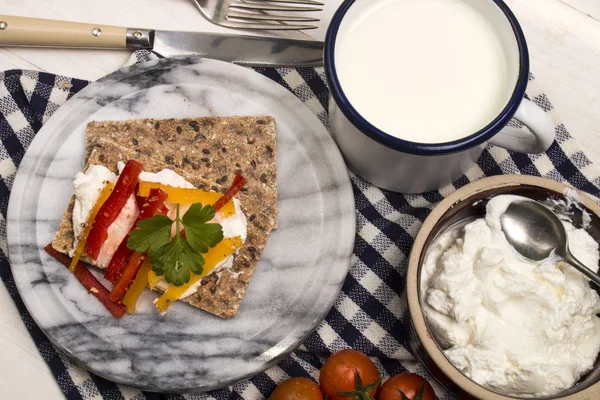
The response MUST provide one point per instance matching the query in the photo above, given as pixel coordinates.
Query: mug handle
(537, 141)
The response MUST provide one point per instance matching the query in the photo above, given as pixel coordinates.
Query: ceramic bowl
(467, 203)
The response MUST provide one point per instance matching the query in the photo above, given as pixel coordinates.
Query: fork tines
(253, 13)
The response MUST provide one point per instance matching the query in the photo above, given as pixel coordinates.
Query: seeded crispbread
(213, 148)
(109, 142)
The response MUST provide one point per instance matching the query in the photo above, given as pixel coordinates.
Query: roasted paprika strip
(154, 204)
(186, 195)
(127, 276)
(154, 280)
(89, 281)
(88, 224)
(137, 286)
(164, 210)
(111, 208)
(140, 200)
(214, 256)
(117, 262)
(238, 183)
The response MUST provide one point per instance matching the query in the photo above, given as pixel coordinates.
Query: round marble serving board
(296, 282)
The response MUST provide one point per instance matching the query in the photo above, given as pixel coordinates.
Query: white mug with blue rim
(419, 87)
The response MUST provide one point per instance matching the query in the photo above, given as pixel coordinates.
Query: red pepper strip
(117, 262)
(140, 200)
(154, 204)
(137, 286)
(164, 210)
(128, 275)
(111, 208)
(88, 281)
(238, 183)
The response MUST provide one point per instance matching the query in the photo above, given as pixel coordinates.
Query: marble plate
(296, 282)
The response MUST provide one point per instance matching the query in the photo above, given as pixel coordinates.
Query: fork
(251, 14)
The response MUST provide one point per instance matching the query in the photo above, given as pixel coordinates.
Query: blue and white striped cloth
(367, 314)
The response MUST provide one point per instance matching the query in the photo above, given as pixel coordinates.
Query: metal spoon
(535, 232)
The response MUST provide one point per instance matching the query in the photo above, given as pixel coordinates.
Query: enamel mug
(406, 166)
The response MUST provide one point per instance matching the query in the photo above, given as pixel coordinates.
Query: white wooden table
(564, 41)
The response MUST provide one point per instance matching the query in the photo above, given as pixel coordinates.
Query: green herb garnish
(175, 258)
(151, 233)
(199, 234)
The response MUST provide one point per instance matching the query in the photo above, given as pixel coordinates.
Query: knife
(244, 50)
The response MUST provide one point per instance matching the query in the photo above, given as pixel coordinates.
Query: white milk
(427, 71)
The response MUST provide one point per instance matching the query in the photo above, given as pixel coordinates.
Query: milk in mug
(426, 71)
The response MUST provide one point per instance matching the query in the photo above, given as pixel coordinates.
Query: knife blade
(243, 50)
(240, 49)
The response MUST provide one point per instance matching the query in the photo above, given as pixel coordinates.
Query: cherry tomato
(338, 374)
(409, 384)
(297, 389)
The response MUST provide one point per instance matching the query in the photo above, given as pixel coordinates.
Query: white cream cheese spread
(88, 186)
(517, 327)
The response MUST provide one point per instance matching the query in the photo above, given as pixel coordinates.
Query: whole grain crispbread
(111, 142)
(214, 148)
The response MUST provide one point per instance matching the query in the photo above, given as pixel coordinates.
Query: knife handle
(36, 32)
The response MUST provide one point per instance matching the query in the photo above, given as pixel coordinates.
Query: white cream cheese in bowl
(516, 327)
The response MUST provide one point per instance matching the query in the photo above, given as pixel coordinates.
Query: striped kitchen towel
(367, 314)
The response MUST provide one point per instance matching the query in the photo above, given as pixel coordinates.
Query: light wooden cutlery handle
(23, 31)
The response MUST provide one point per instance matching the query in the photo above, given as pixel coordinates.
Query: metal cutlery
(537, 233)
(239, 49)
(257, 14)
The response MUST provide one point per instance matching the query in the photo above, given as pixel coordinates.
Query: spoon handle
(582, 268)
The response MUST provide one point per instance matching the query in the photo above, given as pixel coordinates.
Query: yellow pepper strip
(187, 196)
(137, 286)
(214, 256)
(154, 279)
(88, 224)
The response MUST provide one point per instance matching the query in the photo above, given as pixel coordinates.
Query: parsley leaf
(151, 233)
(199, 234)
(175, 259)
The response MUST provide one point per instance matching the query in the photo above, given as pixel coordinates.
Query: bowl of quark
(489, 324)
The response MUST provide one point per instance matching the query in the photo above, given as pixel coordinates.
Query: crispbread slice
(213, 148)
(110, 142)
(107, 153)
